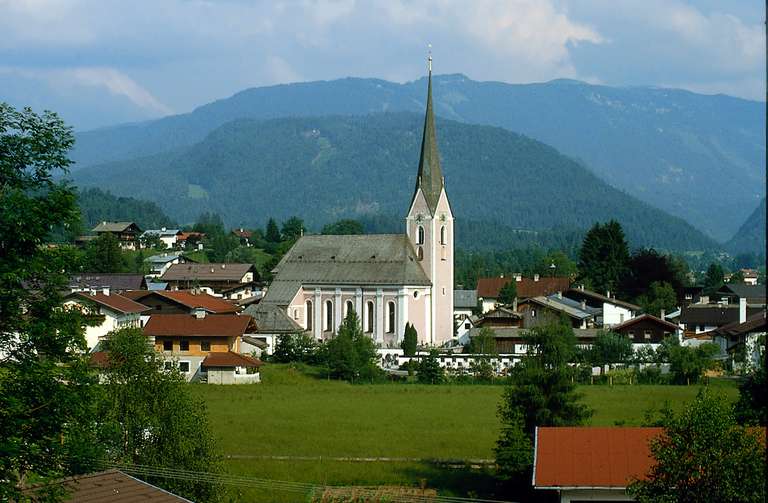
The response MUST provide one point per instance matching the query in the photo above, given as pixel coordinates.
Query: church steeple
(430, 176)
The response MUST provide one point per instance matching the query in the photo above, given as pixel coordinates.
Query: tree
(714, 278)
(736, 278)
(343, 227)
(564, 266)
(351, 354)
(429, 369)
(46, 415)
(703, 455)
(752, 406)
(508, 292)
(152, 241)
(484, 343)
(299, 347)
(604, 257)
(660, 296)
(105, 255)
(609, 348)
(272, 233)
(293, 228)
(149, 416)
(687, 364)
(209, 223)
(646, 267)
(410, 340)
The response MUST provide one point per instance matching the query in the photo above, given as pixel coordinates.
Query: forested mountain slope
(750, 238)
(326, 168)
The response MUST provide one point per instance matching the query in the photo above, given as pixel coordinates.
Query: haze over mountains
(696, 156)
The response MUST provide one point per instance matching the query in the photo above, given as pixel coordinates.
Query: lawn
(298, 415)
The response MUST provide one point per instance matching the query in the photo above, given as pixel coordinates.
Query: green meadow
(311, 421)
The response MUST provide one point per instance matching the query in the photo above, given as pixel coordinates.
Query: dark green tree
(149, 416)
(429, 370)
(484, 343)
(714, 278)
(736, 278)
(688, 364)
(703, 455)
(752, 406)
(104, 254)
(272, 233)
(151, 241)
(209, 223)
(343, 227)
(604, 257)
(564, 266)
(299, 347)
(293, 228)
(410, 340)
(660, 295)
(646, 267)
(508, 293)
(609, 348)
(46, 415)
(351, 355)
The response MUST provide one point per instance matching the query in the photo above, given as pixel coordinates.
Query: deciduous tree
(660, 296)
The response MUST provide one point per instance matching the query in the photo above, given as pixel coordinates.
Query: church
(387, 279)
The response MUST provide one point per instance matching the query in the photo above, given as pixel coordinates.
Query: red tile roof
(230, 359)
(189, 299)
(113, 301)
(591, 457)
(527, 287)
(223, 325)
(183, 236)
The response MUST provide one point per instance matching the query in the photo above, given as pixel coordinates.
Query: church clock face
(419, 218)
(442, 217)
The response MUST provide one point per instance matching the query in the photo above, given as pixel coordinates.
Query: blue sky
(102, 62)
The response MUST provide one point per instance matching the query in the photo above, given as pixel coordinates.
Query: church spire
(430, 177)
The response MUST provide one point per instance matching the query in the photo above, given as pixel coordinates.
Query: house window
(533, 313)
(184, 367)
(390, 317)
(443, 236)
(309, 315)
(205, 345)
(184, 345)
(370, 317)
(647, 335)
(349, 307)
(167, 365)
(328, 315)
(420, 235)
(295, 314)
(621, 317)
(631, 334)
(466, 325)
(167, 345)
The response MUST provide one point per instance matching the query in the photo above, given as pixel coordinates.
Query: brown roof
(189, 299)
(183, 236)
(577, 292)
(203, 272)
(527, 287)
(230, 359)
(714, 314)
(242, 233)
(111, 486)
(113, 301)
(591, 457)
(647, 317)
(754, 323)
(222, 325)
(99, 359)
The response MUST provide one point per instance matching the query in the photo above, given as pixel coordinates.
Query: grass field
(299, 415)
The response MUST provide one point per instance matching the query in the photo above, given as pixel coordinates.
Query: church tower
(429, 225)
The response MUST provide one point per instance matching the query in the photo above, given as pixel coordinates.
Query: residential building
(243, 235)
(389, 280)
(231, 368)
(591, 464)
(544, 310)
(647, 329)
(159, 264)
(511, 340)
(464, 304)
(185, 340)
(182, 302)
(231, 281)
(107, 311)
(488, 288)
(742, 342)
(500, 317)
(168, 237)
(115, 282)
(698, 319)
(750, 276)
(190, 240)
(731, 293)
(127, 233)
(613, 311)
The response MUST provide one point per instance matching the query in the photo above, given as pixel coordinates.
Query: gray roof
(115, 281)
(374, 259)
(430, 176)
(576, 305)
(464, 299)
(272, 319)
(206, 272)
(756, 292)
(578, 292)
(161, 232)
(558, 305)
(163, 258)
(114, 226)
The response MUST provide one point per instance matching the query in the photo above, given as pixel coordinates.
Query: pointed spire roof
(430, 176)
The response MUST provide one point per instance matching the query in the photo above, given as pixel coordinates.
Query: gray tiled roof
(559, 305)
(209, 272)
(112, 226)
(464, 299)
(271, 319)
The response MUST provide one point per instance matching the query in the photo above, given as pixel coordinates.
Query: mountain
(750, 238)
(97, 205)
(326, 168)
(689, 154)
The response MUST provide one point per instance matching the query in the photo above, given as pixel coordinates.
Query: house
(750, 276)
(168, 237)
(231, 368)
(511, 340)
(231, 281)
(545, 310)
(271, 322)
(647, 329)
(127, 233)
(731, 293)
(614, 311)
(190, 240)
(115, 282)
(243, 235)
(110, 486)
(591, 464)
(107, 310)
(500, 317)
(185, 340)
(182, 302)
(693, 295)
(488, 288)
(464, 304)
(743, 336)
(388, 279)
(159, 264)
(698, 319)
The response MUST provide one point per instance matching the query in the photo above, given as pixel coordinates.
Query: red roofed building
(590, 464)
(107, 311)
(182, 302)
(488, 288)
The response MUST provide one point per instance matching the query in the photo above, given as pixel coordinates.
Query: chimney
(535, 277)
(663, 314)
(105, 290)
(92, 291)
(559, 295)
(514, 304)
(199, 314)
(502, 275)
(162, 229)
(518, 277)
(583, 305)
(608, 293)
(581, 287)
(742, 309)
(223, 266)
(213, 270)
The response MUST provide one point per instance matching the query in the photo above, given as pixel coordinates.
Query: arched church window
(420, 235)
(348, 307)
(443, 236)
(328, 315)
(390, 317)
(369, 316)
(309, 315)
(420, 253)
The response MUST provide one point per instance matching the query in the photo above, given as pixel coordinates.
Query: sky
(102, 62)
